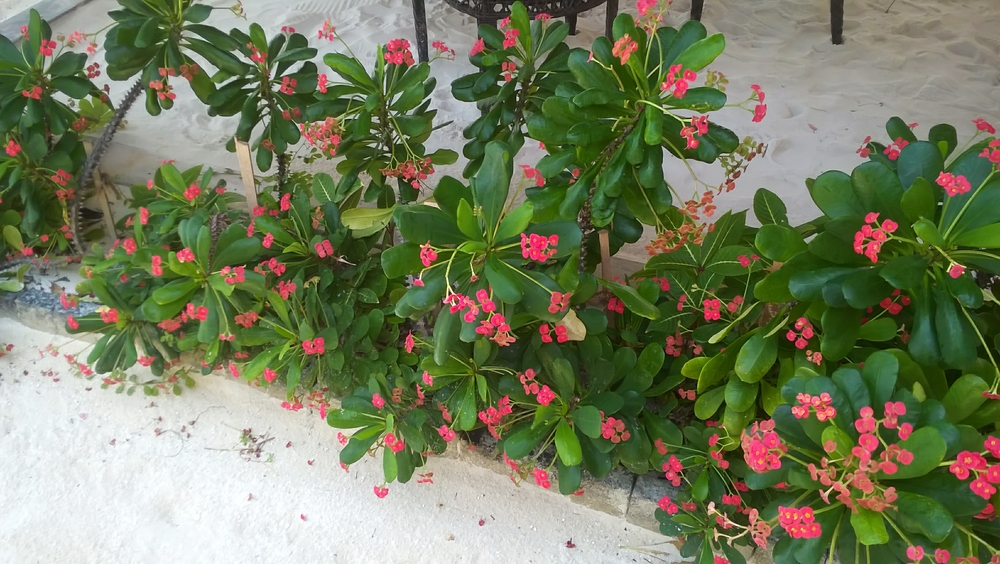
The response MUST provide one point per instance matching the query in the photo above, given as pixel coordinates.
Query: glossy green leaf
(964, 397)
(768, 208)
(869, 527)
(779, 242)
(567, 444)
(756, 357)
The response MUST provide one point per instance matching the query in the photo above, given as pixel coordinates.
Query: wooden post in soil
(101, 189)
(246, 173)
(606, 270)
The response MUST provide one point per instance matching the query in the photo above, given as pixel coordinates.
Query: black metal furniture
(489, 12)
(836, 18)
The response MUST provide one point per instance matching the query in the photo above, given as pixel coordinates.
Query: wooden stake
(102, 199)
(606, 270)
(101, 189)
(246, 172)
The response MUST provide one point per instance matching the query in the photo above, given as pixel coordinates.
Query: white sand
(925, 60)
(69, 495)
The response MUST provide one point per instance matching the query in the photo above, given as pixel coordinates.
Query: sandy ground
(925, 60)
(84, 477)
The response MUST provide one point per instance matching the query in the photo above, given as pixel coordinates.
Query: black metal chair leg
(696, 8)
(571, 20)
(612, 8)
(837, 21)
(420, 23)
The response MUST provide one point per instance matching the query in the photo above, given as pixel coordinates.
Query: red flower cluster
(992, 152)
(820, 403)
(974, 464)
(953, 185)
(314, 346)
(624, 48)
(398, 52)
(536, 247)
(616, 305)
(762, 447)
(546, 332)
(533, 174)
(672, 471)
(324, 135)
(874, 235)
(892, 151)
(233, 275)
(559, 302)
(678, 80)
(510, 38)
(801, 334)
(192, 192)
(327, 31)
(199, 313)
(411, 171)
(614, 430)
(799, 523)
(492, 417)
(394, 444)
(285, 289)
(185, 255)
(542, 478)
(324, 248)
(61, 177)
(667, 505)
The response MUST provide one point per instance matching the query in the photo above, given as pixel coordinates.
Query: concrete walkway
(91, 476)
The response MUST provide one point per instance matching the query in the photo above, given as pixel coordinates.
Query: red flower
(477, 47)
(47, 47)
(381, 492)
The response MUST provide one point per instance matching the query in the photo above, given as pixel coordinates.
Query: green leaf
(516, 222)
(492, 183)
(919, 160)
(833, 194)
(905, 272)
(928, 448)
(740, 396)
(955, 333)
(840, 331)
(880, 373)
(983, 237)
(632, 300)
(897, 128)
(587, 419)
(505, 282)
(708, 403)
(878, 189)
(567, 444)
(756, 357)
(919, 201)
(768, 208)
(964, 397)
(13, 237)
(878, 330)
(701, 53)
(922, 515)
(779, 242)
(467, 222)
(522, 441)
(350, 69)
(869, 527)
(928, 232)
(446, 332)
